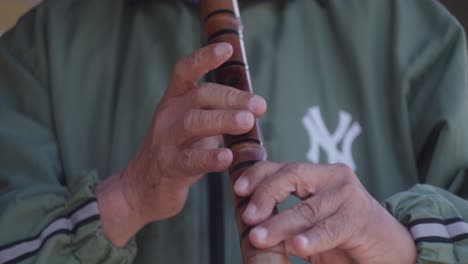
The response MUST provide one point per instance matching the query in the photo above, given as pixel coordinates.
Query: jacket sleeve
(435, 83)
(43, 219)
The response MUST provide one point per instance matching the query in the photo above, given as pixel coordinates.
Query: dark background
(459, 8)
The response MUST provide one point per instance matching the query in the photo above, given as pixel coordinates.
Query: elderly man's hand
(181, 145)
(336, 222)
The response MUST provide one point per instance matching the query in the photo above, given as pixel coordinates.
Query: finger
(300, 179)
(291, 178)
(249, 180)
(294, 220)
(196, 161)
(324, 236)
(191, 68)
(216, 96)
(208, 142)
(204, 123)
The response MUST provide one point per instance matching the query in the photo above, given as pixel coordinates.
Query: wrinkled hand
(179, 146)
(336, 222)
(182, 142)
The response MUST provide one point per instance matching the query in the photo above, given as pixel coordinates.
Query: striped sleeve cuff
(437, 221)
(449, 230)
(74, 233)
(67, 224)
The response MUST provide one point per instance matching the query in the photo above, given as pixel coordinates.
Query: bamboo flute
(221, 23)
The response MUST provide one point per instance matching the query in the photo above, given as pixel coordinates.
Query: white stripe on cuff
(439, 230)
(60, 225)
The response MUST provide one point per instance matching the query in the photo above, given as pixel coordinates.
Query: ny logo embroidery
(319, 135)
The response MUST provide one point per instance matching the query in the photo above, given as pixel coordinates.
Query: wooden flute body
(221, 23)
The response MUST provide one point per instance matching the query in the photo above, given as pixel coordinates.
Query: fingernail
(260, 234)
(250, 210)
(244, 119)
(222, 49)
(223, 156)
(257, 104)
(301, 240)
(241, 185)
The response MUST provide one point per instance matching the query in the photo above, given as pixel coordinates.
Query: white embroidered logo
(319, 136)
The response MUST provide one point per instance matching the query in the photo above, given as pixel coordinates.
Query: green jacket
(379, 85)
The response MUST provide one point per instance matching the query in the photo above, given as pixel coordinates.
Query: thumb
(193, 67)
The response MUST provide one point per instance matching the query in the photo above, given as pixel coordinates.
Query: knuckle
(266, 193)
(289, 248)
(353, 195)
(294, 169)
(205, 121)
(256, 169)
(329, 231)
(188, 160)
(200, 57)
(231, 97)
(218, 120)
(197, 59)
(308, 212)
(222, 95)
(344, 169)
(197, 95)
(207, 89)
(178, 70)
(348, 190)
(245, 98)
(260, 165)
(205, 160)
(213, 120)
(266, 189)
(189, 120)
